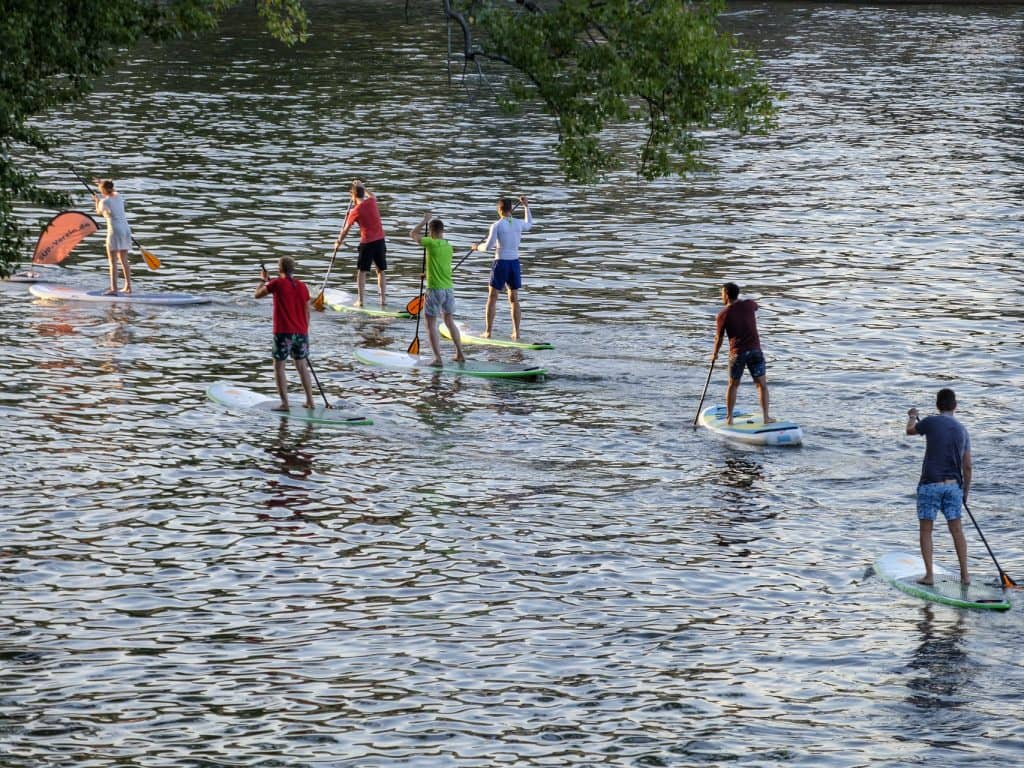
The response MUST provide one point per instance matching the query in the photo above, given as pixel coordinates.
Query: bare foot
(436, 363)
(769, 420)
(110, 292)
(515, 336)
(729, 421)
(357, 304)
(926, 580)
(310, 406)
(127, 290)
(485, 335)
(459, 358)
(282, 407)
(965, 580)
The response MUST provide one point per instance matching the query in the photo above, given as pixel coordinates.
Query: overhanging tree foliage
(50, 52)
(597, 64)
(662, 66)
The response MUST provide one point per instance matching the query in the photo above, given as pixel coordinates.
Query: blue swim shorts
(294, 344)
(752, 360)
(932, 497)
(506, 272)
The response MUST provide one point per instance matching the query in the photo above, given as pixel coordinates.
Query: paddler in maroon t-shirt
(737, 320)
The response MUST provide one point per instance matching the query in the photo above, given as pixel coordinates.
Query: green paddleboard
(239, 398)
(402, 360)
(467, 337)
(902, 571)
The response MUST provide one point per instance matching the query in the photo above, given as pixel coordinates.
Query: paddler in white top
(504, 238)
(119, 234)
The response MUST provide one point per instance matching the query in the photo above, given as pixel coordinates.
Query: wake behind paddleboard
(342, 301)
(52, 292)
(390, 359)
(467, 337)
(240, 398)
(902, 570)
(751, 429)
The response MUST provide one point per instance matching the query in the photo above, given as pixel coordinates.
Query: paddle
(151, 260)
(319, 302)
(515, 205)
(414, 347)
(704, 393)
(1007, 582)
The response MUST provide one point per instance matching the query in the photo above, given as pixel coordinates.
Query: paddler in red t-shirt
(737, 320)
(291, 327)
(372, 246)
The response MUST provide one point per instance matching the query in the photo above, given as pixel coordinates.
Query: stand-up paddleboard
(751, 429)
(390, 359)
(52, 292)
(343, 301)
(468, 338)
(240, 398)
(902, 570)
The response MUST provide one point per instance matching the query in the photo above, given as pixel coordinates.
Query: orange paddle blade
(414, 348)
(319, 302)
(415, 306)
(1010, 583)
(151, 261)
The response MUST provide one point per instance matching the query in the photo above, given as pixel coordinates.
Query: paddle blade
(151, 261)
(414, 348)
(319, 302)
(415, 306)
(1009, 583)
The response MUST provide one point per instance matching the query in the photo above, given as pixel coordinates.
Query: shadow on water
(940, 665)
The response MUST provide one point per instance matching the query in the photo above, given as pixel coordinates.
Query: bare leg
(960, 543)
(453, 329)
(730, 398)
(126, 269)
(517, 313)
(762, 392)
(435, 340)
(307, 381)
(925, 536)
(489, 310)
(382, 285)
(113, 272)
(360, 287)
(282, 385)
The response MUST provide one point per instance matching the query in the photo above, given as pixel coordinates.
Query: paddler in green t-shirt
(440, 294)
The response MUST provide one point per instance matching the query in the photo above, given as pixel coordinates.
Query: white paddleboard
(902, 570)
(343, 301)
(52, 292)
(750, 428)
(391, 359)
(240, 398)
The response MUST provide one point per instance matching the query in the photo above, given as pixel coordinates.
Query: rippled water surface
(553, 573)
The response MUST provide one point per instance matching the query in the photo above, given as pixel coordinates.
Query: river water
(553, 573)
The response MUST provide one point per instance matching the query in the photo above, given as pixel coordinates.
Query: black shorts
(375, 253)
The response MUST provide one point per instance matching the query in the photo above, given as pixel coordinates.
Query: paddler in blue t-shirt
(945, 478)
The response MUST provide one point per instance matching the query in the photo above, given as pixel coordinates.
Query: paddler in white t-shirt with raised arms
(506, 273)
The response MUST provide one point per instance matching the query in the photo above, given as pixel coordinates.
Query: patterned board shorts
(932, 497)
(752, 360)
(439, 301)
(294, 344)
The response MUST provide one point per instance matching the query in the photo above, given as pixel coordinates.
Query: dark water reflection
(559, 573)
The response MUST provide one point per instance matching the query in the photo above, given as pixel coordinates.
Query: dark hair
(946, 400)
(287, 265)
(436, 228)
(505, 204)
(359, 190)
(732, 291)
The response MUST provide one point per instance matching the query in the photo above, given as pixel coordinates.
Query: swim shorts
(294, 344)
(752, 360)
(932, 497)
(439, 301)
(506, 272)
(375, 253)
